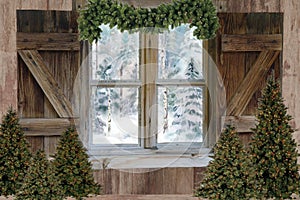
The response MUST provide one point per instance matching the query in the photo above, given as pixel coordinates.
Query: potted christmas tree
(40, 181)
(14, 154)
(228, 175)
(73, 168)
(273, 149)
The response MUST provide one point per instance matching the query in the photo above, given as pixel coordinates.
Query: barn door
(48, 62)
(248, 49)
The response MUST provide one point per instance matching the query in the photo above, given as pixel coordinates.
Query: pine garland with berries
(198, 13)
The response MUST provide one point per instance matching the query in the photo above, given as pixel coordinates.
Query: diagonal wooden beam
(247, 88)
(45, 79)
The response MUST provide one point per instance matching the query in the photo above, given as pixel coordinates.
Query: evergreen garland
(198, 13)
(40, 181)
(73, 168)
(228, 175)
(273, 149)
(14, 154)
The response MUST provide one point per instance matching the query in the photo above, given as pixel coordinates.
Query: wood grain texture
(48, 41)
(268, 24)
(45, 127)
(247, 6)
(149, 67)
(247, 88)
(251, 42)
(8, 56)
(44, 4)
(291, 60)
(32, 101)
(47, 82)
(243, 124)
(148, 181)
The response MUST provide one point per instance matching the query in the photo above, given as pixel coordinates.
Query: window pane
(179, 53)
(180, 114)
(115, 56)
(115, 115)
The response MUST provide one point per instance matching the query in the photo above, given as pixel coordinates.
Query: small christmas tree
(273, 149)
(40, 181)
(14, 154)
(73, 168)
(228, 175)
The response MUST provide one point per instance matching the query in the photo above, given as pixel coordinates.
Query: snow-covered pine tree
(273, 148)
(14, 154)
(188, 106)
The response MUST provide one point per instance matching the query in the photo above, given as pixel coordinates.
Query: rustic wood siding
(150, 181)
(291, 60)
(8, 56)
(44, 4)
(248, 6)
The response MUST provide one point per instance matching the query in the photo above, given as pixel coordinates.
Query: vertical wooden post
(291, 60)
(8, 56)
(148, 60)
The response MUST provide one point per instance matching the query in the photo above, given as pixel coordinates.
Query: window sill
(152, 160)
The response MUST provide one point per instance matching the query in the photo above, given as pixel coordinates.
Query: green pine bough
(198, 13)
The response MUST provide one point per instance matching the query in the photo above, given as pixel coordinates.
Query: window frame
(148, 46)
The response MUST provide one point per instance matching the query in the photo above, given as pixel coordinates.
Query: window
(148, 91)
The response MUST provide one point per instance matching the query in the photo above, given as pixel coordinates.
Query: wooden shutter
(247, 49)
(48, 62)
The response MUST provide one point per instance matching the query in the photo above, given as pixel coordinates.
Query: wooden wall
(290, 72)
(150, 181)
(8, 50)
(44, 4)
(291, 61)
(290, 51)
(8, 56)
(249, 6)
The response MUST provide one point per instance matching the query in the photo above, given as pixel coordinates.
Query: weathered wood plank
(45, 79)
(48, 41)
(45, 127)
(247, 6)
(44, 4)
(290, 62)
(149, 54)
(270, 23)
(36, 143)
(125, 181)
(247, 88)
(8, 56)
(251, 42)
(243, 124)
(60, 5)
(8, 81)
(184, 180)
